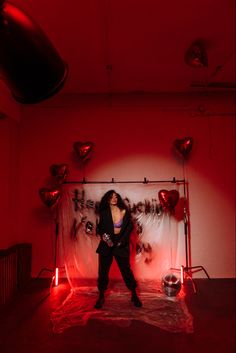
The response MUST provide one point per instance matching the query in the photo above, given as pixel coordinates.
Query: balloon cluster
(51, 195)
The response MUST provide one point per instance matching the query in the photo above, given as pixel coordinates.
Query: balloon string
(184, 171)
(210, 137)
(185, 181)
(83, 171)
(107, 52)
(170, 242)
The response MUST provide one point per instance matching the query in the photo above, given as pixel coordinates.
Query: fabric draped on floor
(167, 313)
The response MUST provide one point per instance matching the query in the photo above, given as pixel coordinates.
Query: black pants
(124, 266)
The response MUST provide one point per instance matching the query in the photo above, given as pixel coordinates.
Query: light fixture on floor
(30, 65)
(182, 274)
(55, 269)
(56, 276)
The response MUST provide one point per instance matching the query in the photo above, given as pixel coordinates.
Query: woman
(114, 227)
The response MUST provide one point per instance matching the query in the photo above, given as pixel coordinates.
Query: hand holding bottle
(106, 237)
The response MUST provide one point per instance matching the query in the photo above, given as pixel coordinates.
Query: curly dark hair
(104, 203)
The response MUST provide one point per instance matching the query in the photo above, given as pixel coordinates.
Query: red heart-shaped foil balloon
(59, 171)
(83, 149)
(168, 198)
(50, 197)
(184, 146)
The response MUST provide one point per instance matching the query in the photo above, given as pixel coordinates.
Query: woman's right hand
(106, 237)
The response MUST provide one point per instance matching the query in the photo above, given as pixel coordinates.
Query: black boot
(100, 301)
(135, 299)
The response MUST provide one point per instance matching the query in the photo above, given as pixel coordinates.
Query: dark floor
(25, 325)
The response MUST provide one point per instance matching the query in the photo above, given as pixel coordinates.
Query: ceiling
(124, 46)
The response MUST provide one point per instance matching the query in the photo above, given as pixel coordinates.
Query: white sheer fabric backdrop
(154, 241)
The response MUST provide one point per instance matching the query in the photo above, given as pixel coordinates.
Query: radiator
(15, 270)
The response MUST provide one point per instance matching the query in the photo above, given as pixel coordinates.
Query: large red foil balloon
(168, 198)
(59, 171)
(83, 149)
(29, 63)
(50, 197)
(184, 146)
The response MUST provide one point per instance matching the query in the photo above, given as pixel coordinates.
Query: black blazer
(121, 241)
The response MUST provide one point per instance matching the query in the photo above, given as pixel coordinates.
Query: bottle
(106, 237)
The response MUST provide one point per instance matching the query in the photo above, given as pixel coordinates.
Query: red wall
(9, 167)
